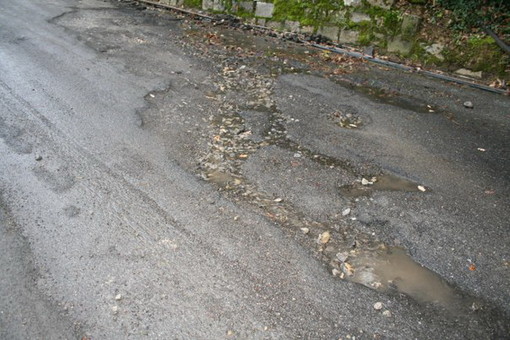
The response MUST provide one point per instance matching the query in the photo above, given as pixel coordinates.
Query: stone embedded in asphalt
(342, 257)
(468, 105)
(387, 313)
(365, 181)
(346, 212)
(324, 237)
(378, 305)
(348, 269)
(38, 158)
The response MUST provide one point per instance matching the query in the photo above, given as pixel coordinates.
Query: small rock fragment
(115, 309)
(278, 200)
(305, 230)
(342, 257)
(336, 272)
(347, 269)
(38, 158)
(118, 297)
(324, 237)
(387, 313)
(421, 188)
(468, 105)
(378, 305)
(365, 181)
(346, 212)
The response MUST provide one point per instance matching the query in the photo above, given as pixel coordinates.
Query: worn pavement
(168, 178)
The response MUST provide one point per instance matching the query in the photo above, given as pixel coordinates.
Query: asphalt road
(163, 178)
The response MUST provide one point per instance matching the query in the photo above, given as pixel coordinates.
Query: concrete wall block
(207, 4)
(275, 25)
(247, 6)
(307, 29)
(386, 4)
(214, 5)
(352, 2)
(410, 24)
(359, 17)
(348, 36)
(292, 26)
(330, 32)
(264, 9)
(400, 46)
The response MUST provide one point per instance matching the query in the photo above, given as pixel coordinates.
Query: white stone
(436, 50)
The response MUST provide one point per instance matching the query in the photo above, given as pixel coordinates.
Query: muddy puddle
(386, 182)
(392, 269)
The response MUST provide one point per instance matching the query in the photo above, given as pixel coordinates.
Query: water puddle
(393, 269)
(386, 182)
(223, 179)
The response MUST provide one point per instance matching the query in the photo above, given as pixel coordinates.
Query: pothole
(385, 182)
(245, 95)
(390, 269)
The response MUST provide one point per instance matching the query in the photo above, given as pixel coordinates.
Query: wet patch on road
(385, 182)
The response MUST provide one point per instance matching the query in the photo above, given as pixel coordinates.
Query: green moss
(478, 53)
(309, 13)
(193, 3)
(391, 20)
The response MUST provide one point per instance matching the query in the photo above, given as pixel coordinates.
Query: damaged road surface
(168, 178)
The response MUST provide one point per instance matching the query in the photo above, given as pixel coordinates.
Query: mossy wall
(403, 28)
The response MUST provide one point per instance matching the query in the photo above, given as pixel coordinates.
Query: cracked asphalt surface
(168, 178)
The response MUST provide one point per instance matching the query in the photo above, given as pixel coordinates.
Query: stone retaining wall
(378, 23)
